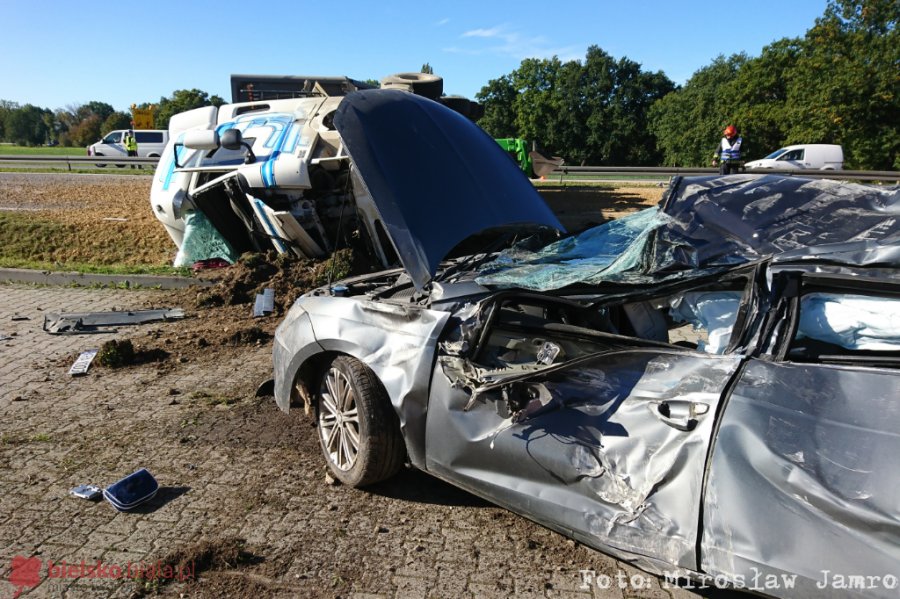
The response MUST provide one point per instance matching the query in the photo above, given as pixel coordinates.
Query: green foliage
(849, 77)
(837, 84)
(116, 120)
(183, 100)
(688, 122)
(25, 126)
(593, 111)
(83, 124)
(85, 132)
(426, 68)
(498, 98)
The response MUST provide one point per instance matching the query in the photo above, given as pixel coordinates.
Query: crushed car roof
(435, 176)
(707, 223)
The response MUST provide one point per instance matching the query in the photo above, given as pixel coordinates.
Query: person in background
(728, 155)
(131, 145)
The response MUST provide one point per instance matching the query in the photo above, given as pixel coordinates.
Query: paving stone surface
(232, 466)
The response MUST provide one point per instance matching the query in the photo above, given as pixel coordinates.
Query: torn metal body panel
(705, 407)
(94, 322)
(613, 449)
(396, 342)
(719, 221)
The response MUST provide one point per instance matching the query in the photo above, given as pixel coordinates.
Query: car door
(803, 494)
(791, 160)
(114, 144)
(608, 448)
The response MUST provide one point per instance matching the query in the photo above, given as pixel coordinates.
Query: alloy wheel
(339, 419)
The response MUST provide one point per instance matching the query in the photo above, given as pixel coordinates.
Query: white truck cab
(804, 156)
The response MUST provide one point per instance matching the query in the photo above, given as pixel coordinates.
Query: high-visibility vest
(730, 150)
(130, 143)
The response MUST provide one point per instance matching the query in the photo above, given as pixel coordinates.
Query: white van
(826, 157)
(151, 144)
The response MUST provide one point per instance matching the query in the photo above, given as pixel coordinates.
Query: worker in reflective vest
(131, 145)
(728, 154)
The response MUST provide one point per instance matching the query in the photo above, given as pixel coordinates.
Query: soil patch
(579, 208)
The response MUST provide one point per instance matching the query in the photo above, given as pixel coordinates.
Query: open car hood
(435, 177)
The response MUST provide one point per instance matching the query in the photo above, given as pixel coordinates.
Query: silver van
(151, 143)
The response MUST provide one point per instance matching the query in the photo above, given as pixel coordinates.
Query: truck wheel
(421, 84)
(99, 165)
(358, 430)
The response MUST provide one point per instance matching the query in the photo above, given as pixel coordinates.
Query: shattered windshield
(597, 254)
(708, 223)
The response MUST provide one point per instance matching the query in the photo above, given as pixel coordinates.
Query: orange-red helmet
(730, 131)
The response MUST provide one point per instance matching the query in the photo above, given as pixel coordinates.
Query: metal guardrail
(80, 162)
(666, 171)
(73, 162)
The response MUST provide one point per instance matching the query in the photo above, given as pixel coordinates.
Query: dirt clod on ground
(208, 557)
(115, 353)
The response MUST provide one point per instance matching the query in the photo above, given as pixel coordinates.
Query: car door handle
(678, 414)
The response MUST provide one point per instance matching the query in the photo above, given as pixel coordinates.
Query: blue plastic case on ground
(131, 491)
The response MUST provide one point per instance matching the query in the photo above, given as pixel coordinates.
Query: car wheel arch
(309, 373)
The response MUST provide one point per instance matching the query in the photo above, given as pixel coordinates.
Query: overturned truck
(271, 171)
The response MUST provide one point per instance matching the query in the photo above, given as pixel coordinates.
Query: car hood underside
(435, 177)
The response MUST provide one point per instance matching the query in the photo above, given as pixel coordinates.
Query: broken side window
(847, 328)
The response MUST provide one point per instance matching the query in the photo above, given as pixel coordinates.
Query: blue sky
(56, 54)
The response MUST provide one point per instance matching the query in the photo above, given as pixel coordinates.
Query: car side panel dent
(591, 456)
(397, 342)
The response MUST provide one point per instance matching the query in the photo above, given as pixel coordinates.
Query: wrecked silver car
(706, 390)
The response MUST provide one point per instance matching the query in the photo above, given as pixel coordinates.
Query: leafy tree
(117, 120)
(5, 107)
(498, 98)
(101, 109)
(25, 126)
(761, 98)
(81, 124)
(426, 68)
(847, 80)
(688, 122)
(837, 84)
(589, 112)
(181, 101)
(84, 132)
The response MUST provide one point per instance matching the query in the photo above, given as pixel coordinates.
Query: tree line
(83, 124)
(839, 83)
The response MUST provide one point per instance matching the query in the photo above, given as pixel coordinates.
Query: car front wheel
(358, 430)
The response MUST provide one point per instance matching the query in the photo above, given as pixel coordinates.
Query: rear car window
(853, 322)
(847, 327)
(149, 137)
